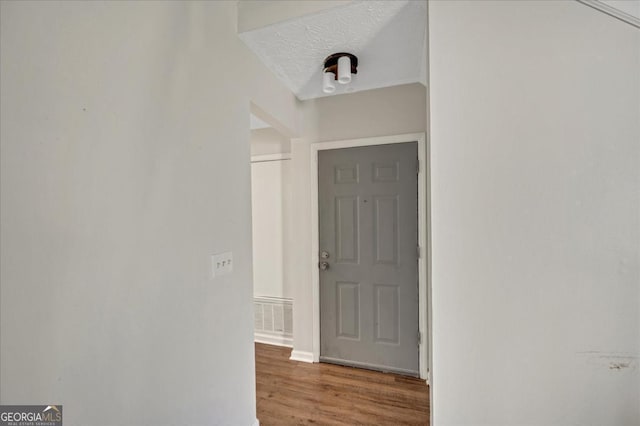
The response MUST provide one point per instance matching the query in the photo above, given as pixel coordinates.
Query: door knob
(324, 266)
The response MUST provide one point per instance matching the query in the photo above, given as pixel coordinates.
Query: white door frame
(423, 229)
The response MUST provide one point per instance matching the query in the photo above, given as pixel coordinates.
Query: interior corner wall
(124, 167)
(271, 213)
(269, 141)
(381, 112)
(535, 165)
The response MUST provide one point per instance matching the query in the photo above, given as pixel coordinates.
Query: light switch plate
(221, 264)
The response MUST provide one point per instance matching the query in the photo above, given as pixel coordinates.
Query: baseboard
(301, 356)
(256, 423)
(271, 339)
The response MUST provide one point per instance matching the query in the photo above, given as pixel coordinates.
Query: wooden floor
(298, 393)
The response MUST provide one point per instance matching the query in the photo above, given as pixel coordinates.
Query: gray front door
(368, 229)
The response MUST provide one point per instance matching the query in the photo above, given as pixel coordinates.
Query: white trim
(423, 233)
(612, 11)
(270, 157)
(301, 356)
(273, 299)
(273, 339)
(256, 422)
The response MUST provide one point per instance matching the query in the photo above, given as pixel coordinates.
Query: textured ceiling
(387, 37)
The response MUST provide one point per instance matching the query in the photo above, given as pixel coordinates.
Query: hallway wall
(535, 165)
(124, 167)
(271, 218)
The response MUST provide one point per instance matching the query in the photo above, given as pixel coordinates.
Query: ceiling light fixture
(340, 67)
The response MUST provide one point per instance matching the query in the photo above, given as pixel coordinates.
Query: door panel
(386, 228)
(368, 219)
(347, 226)
(387, 313)
(348, 314)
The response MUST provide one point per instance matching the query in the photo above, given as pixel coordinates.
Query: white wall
(271, 204)
(535, 156)
(629, 7)
(269, 141)
(124, 166)
(271, 213)
(380, 112)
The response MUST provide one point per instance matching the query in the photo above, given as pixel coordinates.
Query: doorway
(271, 234)
(384, 299)
(368, 236)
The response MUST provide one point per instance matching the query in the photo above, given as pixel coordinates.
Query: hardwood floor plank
(296, 393)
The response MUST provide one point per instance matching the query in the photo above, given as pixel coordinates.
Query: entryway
(369, 233)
